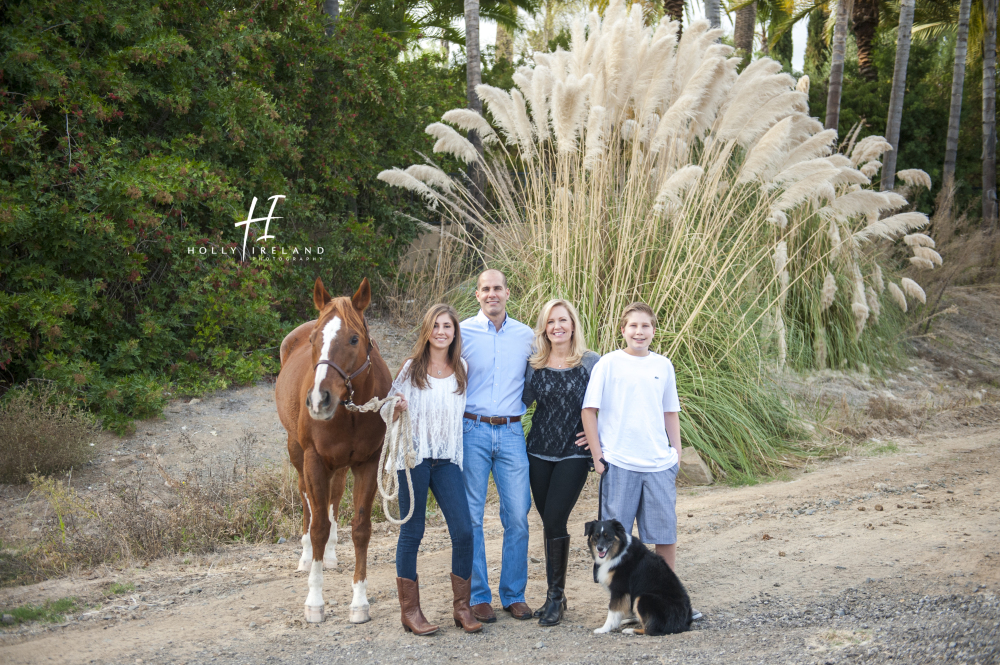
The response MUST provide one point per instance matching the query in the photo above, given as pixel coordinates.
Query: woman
(432, 384)
(556, 380)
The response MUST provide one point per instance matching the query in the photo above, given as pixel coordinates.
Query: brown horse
(325, 439)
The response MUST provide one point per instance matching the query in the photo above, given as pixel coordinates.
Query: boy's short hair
(640, 307)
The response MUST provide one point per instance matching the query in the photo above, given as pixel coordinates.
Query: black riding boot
(555, 567)
(548, 583)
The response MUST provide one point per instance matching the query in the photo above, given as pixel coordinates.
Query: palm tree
(474, 77)
(332, 9)
(674, 9)
(898, 90)
(989, 116)
(836, 83)
(865, 18)
(712, 13)
(746, 19)
(955, 114)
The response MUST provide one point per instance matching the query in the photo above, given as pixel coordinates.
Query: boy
(636, 440)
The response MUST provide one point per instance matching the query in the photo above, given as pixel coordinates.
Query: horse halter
(349, 402)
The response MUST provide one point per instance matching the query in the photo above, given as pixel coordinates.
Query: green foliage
(134, 135)
(924, 125)
(51, 611)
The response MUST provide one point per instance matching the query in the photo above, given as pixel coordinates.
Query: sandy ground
(888, 554)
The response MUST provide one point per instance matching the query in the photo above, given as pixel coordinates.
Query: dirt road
(889, 555)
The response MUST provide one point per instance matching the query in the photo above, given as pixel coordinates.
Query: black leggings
(556, 486)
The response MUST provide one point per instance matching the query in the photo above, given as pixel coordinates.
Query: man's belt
(493, 420)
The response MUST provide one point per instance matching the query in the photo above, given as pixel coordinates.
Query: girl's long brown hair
(421, 354)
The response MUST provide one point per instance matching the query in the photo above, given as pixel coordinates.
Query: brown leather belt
(493, 420)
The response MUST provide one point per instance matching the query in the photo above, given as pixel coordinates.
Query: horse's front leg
(318, 495)
(365, 487)
(337, 484)
(296, 456)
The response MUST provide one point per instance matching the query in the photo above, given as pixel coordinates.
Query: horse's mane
(344, 308)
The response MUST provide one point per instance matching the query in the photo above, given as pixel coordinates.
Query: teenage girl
(432, 383)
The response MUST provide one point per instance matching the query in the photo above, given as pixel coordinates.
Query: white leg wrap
(359, 605)
(330, 553)
(613, 622)
(314, 601)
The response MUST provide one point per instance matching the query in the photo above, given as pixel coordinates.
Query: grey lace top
(558, 397)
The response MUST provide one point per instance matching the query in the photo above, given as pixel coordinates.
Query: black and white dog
(636, 578)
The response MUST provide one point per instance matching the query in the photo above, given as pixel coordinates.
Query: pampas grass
(913, 290)
(897, 295)
(640, 167)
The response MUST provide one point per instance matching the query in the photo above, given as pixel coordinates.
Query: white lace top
(435, 414)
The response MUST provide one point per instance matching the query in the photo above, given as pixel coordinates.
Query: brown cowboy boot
(412, 618)
(464, 619)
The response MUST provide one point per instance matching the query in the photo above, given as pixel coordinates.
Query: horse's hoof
(304, 565)
(360, 615)
(330, 563)
(314, 614)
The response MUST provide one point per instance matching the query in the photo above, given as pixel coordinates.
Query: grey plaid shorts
(649, 498)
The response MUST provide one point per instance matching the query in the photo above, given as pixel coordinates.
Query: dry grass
(138, 519)
(41, 433)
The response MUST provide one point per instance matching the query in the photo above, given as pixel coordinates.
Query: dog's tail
(662, 617)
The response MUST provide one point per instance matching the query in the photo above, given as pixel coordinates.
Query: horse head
(341, 346)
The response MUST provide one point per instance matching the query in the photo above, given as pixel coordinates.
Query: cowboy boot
(464, 619)
(548, 583)
(555, 564)
(412, 618)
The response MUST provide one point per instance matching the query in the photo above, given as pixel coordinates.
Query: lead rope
(398, 435)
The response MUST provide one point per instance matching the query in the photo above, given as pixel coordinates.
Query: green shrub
(132, 133)
(42, 433)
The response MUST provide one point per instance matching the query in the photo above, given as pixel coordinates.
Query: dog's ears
(588, 528)
(619, 530)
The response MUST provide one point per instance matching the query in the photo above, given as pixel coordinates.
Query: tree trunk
(332, 9)
(712, 13)
(743, 31)
(674, 9)
(898, 91)
(816, 48)
(505, 44)
(955, 114)
(865, 18)
(473, 77)
(837, 66)
(989, 115)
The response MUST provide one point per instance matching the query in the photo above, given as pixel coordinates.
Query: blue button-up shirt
(497, 360)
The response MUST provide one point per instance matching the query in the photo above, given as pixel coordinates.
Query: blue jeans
(444, 479)
(499, 449)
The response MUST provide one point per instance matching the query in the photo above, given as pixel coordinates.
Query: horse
(325, 438)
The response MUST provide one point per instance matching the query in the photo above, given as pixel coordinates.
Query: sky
(696, 10)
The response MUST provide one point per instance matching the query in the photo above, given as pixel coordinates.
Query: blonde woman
(433, 382)
(558, 461)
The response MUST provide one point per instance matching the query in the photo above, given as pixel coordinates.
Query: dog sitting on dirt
(638, 581)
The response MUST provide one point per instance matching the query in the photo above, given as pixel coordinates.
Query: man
(496, 348)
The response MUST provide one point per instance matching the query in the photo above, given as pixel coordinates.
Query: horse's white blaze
(330, 331)
(315, 597)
